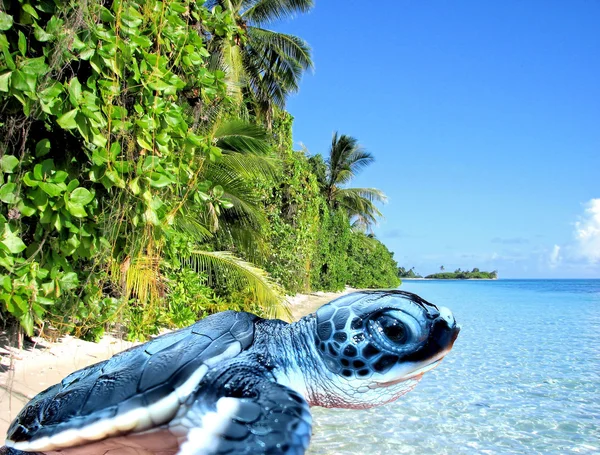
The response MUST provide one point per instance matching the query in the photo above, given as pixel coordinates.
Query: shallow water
(523, 378)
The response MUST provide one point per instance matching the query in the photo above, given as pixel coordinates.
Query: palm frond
(274, 63)
(346, 159)
(267, 11)
(366, 243)
(370, 194)
(142, 279)
(225, 268)
(269, 77)
(362, 210)
(185, 221)
(243, 239)
(240, 192)
(239, 136)
(249, 166)
(359, 159)
(286, 47)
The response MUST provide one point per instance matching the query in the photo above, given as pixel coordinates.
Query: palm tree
(228, 208)
(246, 158)
(263, 66)
(346, 159)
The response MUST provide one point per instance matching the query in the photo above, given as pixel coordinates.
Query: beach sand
(26, 372)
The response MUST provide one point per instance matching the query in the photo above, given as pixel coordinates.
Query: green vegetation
(459, 274)
(147, 170)
(410, 273)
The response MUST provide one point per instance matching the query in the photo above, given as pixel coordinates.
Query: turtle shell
(135, 390)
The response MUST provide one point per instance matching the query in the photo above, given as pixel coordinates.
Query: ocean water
(523, 378)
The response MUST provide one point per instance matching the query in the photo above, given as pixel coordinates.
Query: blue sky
(483, 117)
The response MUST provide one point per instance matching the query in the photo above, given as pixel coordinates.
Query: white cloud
(587, 232)
(555, 258)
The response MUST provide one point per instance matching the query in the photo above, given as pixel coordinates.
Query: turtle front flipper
(254, 416)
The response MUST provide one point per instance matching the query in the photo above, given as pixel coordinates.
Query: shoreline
(449, 279)
(26, 372)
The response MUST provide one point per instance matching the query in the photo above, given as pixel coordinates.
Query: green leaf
(142, 143)
(106, 15)
(115, 150)
(29, 9)
(40, 34)
(23, 82)
(26, 208)
(5, 81)
(151, 217)
(141, 40)
(9, 61)
(72, 185)
(8, 194)
(6, 21)
(44, 300)
(57, 221)
(22, 44)
(158, 180)
(47, 288)
(218, 191)
(114, 177)
(87, 54)
(151, 162)
(59, 177)
(34, 66)
(52, 91)
(53, 189)
(76, 210)
(13, 243)
(39, 198)
(99, 156)
(81, 196)
(123, 166)
(67, 121)
(38, 172)
(75, 91)
(74, 241)
(42, 148)
(8, 163)
(6, 283)
(7, 262)
(134, 186)
(27, 320)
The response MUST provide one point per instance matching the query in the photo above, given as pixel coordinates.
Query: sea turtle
(234, 383)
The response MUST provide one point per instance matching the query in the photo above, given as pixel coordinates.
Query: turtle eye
(394, 330)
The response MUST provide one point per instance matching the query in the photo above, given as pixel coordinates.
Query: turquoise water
(523, 378)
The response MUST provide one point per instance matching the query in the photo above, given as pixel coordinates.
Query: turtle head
(380, 343)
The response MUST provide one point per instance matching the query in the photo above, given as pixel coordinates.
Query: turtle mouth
(415, 374)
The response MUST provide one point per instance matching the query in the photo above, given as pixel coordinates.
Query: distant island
(408, 273)
(458, 274)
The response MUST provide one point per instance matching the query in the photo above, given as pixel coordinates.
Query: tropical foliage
(139, 186)
(345, 160)
(459, 274)
(408, 273)
(263, 66)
